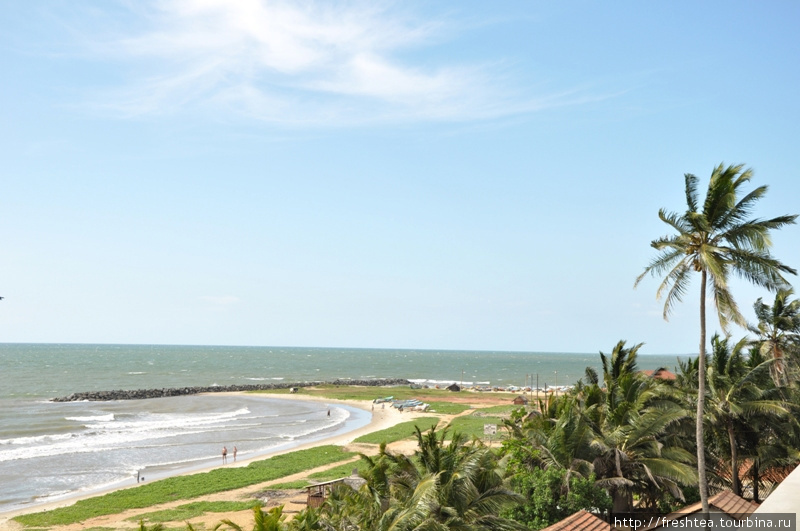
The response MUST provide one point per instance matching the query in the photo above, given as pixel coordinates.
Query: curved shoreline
(379, 420)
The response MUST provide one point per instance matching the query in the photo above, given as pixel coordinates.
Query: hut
(317, 494)
(455, 387)
(660, 373)
(532, 415)
(521, 400)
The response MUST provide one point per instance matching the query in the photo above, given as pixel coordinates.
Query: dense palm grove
(620, 441)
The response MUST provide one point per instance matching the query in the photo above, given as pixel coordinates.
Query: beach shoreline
(380, 419)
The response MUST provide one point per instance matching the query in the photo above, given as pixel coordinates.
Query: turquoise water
(51, 450)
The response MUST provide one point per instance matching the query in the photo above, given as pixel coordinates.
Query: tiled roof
(730, 503)
(580, 521)
(726, 501)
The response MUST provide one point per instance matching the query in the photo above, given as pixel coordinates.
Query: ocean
(49, 450)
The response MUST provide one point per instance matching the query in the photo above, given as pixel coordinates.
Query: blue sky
(447, 175)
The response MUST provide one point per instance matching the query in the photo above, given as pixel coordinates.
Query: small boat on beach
(384, 399)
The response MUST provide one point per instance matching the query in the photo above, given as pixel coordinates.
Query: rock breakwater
(140, 394)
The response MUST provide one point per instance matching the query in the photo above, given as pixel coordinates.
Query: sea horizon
(50, 449)
(317, 347)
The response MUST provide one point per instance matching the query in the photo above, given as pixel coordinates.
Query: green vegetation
(337, 472)
(776, 329)
(443, 486)
(547, 501)
(472, 425)
(338, 392)
(290, 485)
(716, 239)
(619, 441)
(192, 510)
(448, 408)
(404, 430)
(437, 398)
(504, 410)
(187, 487)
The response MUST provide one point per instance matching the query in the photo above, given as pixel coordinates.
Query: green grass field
(188, 487)
(401, 431)
(472, 426)
(191, 510)
(439, 399)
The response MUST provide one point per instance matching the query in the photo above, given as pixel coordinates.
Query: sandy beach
(382, 418)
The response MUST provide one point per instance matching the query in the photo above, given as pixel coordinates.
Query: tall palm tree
(716, 239)
(778, 329)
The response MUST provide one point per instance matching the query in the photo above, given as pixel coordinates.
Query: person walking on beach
(224, 455)
(234, 453)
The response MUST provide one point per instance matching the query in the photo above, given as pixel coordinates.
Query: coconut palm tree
(459, 485)
(564, 442)
(735, 399)
(271, 520)
(770, 443)
(778, 329)
(634, 454)
(716, 239)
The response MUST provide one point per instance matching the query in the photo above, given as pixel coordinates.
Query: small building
(768, 478)
(783, 500)
(455, 387)
(660, 373)
(724, 506)
(521, 400)
(533, 414)
(580, 521)
(317, 494)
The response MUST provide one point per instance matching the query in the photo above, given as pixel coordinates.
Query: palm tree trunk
(701, 399)
(756, 480)
(734, 460)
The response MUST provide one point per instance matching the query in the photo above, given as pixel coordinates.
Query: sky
(428, 175)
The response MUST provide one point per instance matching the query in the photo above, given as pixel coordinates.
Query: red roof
(726, 501)
(773, 474)
(662, 374)
(580, 521)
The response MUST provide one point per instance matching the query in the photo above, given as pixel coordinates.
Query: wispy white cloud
(326, 63)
